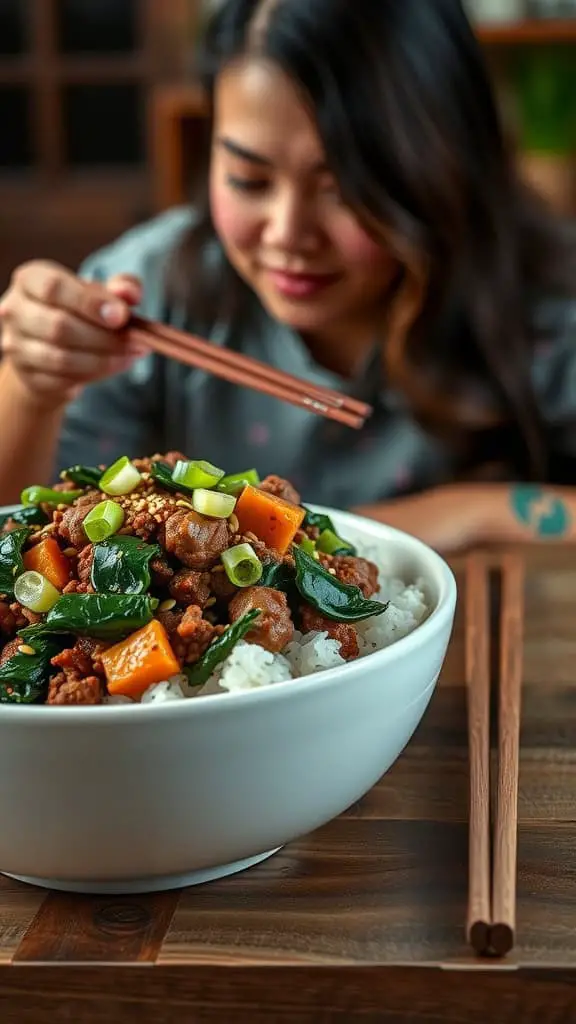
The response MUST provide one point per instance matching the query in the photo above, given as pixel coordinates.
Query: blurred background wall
(101, 117)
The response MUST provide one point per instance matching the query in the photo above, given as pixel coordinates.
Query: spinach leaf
(323, 522)
(282, 576)
(24, 678)
(219, 649)
(103, 616)
(27, 515)
(121, 565)
(11, 564)
(338, 601)
(162, 474)
(84, 476)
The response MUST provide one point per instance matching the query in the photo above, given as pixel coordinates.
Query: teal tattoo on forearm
(540, 509)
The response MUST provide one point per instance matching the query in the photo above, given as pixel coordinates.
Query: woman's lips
(300, 286)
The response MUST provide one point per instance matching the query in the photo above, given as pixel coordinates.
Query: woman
(363, 227)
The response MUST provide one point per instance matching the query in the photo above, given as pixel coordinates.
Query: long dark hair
(407, 116)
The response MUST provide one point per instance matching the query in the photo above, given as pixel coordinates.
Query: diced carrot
(144, 658)
(48, 559)
(273, 520)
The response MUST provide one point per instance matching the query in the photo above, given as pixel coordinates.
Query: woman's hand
(59, 333)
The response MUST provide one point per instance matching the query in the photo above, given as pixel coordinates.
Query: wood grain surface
(363, 920)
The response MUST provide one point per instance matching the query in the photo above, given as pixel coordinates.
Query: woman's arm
(29, 437)
(459, 516)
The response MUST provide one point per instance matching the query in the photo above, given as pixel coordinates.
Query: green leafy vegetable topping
(121, 565)
(84, 476)
(24, 678)
(322, 523)
(26, 515)
(332, 598)
(162, 474)
(282, 576)
(219, 649)
(11, 564)
(103, 616)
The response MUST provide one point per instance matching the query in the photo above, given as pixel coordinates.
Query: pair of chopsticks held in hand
(491, 920)
(247, 372)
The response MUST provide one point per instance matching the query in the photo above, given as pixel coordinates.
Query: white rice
(249, 666)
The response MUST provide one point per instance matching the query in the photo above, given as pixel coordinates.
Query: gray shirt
(160, 405)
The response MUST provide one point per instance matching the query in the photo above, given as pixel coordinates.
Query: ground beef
(7, 619)
(281, 488)
(160, 572)
(194, 635)
(170, 619)
(75, 587)
(84, 565)
(274, 628)
(221, 587)
(343, 632)
(190, 587)
(357, 572)
(17, 617)
(9, 650)
(68, 687)
(195, 540)
(69, 521)
(84, 658)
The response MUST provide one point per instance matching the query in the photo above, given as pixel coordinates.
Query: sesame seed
(234, 524)
(183, 504)
(168, 605)
(26, 649)
(332, 572)
(70, 552)
(210, 602)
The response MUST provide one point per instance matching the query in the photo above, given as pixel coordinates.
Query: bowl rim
(436, 568)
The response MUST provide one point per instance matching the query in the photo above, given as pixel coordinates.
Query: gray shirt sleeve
(123, 415)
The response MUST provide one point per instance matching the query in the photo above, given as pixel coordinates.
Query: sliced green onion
(46, 496)
(307, 545)
(242, 565)
(35, 592)
(236, 482)
(196, 474)
(121, 477)
(103, 520)
(210, 503)
(329, 543)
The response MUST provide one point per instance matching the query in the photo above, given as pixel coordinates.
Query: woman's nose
(290, 224)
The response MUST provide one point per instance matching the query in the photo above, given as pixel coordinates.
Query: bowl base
(159, 883)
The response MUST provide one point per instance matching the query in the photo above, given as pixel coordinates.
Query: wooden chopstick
(477, 661)
(491, 920)
(248, 372)
(509, 705)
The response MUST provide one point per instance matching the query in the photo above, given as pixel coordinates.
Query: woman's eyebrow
(245, 154)
(256, 158)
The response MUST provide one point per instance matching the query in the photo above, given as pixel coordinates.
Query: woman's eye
(246, 184)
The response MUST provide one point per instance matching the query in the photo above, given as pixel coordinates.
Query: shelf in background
(536, 31)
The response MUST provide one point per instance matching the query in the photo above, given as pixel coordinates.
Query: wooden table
(364, 920)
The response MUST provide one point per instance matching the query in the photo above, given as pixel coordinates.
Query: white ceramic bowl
(133, 798)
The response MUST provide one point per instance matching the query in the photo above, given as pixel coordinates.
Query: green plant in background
(544, 80)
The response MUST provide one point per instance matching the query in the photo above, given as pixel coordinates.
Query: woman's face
(277, 209)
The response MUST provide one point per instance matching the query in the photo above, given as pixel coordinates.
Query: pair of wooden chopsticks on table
(247, 372)
(493, 851)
